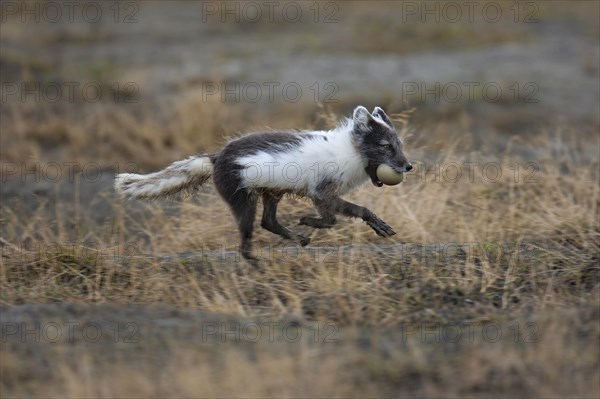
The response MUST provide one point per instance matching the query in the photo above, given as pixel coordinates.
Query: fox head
(378, 143)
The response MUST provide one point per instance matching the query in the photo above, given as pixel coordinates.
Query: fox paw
(304, 241)
(381, 228)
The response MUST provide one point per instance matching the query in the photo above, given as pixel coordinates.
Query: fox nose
(408, 167)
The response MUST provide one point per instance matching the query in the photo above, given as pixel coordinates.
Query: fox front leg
(339, 206)
(327, 219)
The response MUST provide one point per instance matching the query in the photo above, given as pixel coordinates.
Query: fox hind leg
(241, 201)
(243, 206)
(269, 220)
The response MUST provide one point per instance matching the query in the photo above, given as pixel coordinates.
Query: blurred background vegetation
(163, 69)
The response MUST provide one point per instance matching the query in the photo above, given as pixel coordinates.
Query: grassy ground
(472, 257)
(489, 289)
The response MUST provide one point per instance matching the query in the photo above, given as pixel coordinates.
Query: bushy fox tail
(179, 177)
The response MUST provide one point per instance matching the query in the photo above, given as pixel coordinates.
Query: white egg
(389, 176)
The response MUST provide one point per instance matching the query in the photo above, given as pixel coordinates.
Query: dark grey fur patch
(327, 188)
(268, 141)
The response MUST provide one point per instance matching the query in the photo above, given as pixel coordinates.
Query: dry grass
(509, 251)
(384, 363)
(518, 253)
(551, 210)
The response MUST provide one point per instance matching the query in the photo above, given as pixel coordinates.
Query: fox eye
(386, 146)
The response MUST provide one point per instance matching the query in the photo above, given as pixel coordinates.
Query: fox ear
(361, 116)
(379, 113)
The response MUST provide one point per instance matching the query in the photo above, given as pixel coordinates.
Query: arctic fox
(320, 165)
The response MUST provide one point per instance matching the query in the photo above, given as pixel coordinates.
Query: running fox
(320, 165)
